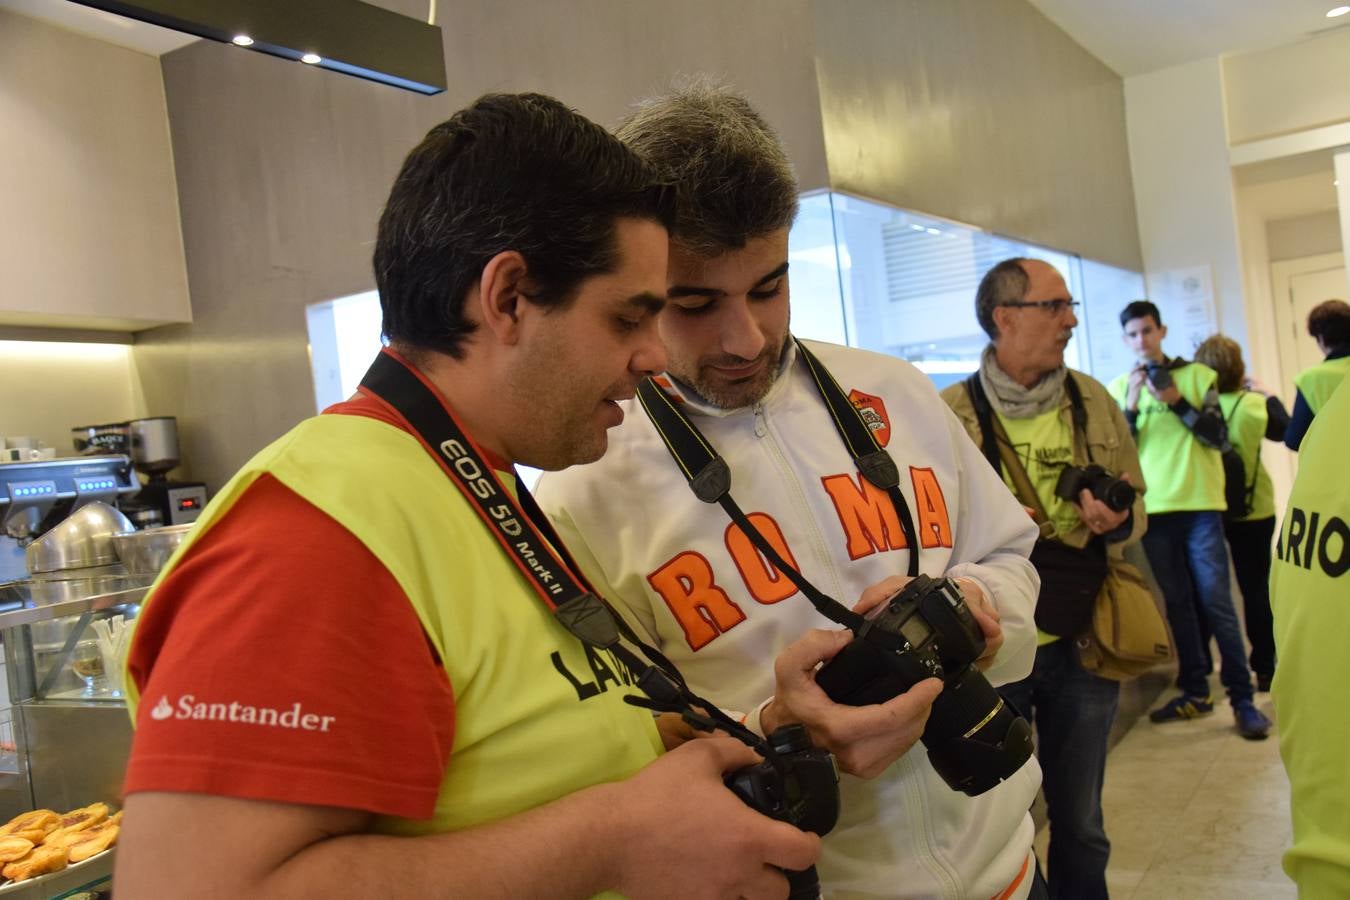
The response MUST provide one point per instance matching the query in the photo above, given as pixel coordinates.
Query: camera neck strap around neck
(709, 476)
(528, 539)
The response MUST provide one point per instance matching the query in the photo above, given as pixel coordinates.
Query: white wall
(1184, 188)
(1287, 89)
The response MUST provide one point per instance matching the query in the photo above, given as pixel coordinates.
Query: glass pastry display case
(64, 731)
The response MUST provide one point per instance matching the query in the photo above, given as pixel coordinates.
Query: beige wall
(282, 169)
(50, 387)
(89, 232)
(982, 111)
(1287, 89)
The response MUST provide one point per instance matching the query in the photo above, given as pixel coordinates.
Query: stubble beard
(716, 391)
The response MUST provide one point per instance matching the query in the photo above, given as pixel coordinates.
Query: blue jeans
(1189, 558)
(1072, 710)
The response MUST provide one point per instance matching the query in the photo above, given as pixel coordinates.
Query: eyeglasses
(1054, 307)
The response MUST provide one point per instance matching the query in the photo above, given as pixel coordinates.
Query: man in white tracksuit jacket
(690, 582)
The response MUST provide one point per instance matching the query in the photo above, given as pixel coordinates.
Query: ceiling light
(1338, 11)
(932, 231)
(358, 38)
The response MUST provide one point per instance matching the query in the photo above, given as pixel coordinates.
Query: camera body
(1158, 376)
(798, 784)
(1114, 492)
(925, 630)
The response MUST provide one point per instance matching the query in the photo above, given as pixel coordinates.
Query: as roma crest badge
(874, 414)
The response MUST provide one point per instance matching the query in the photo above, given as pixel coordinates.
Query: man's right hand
(691, 837)
(1138, 376)
(864, 739)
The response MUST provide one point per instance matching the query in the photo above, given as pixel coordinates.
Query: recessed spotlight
(1338, 11)
(932, 231)
(242, 40)
(312, 59)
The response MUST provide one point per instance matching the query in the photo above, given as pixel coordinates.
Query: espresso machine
(36, 495)
(154, 452)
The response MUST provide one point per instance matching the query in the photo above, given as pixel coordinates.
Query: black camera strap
(531, 543)
(709, 476)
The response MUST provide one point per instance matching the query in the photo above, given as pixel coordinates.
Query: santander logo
(188, 707)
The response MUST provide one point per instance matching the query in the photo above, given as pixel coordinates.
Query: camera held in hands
(925, 630)
(1114, 492)
(796, 783)
(1158, 376)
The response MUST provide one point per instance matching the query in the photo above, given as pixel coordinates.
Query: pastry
(78, 820)
(12, 848)
(40, 820)
(86, 843)
(39, 861)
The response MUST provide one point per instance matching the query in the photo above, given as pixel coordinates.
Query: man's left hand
(1096, 515)
(986, 614)
(1168, 395)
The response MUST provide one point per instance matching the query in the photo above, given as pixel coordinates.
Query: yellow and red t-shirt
(342, 630)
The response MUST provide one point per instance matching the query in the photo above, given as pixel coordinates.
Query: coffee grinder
(154, 452)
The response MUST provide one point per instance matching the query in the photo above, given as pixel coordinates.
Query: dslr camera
(1158, 376)
(1114, 492)
(925, 630)
(795, 783)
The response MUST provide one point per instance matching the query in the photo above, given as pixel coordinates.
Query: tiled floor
(1194, 812)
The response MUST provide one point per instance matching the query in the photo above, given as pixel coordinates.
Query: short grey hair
(732, 180)
(1005, 283)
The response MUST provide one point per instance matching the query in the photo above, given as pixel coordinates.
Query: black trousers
(1250, 546)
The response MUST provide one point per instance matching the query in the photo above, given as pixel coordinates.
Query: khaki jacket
(1108, 438)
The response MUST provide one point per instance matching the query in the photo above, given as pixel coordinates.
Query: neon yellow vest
(1310, 597)
(1183, 474)
(1317, 383)
(523, 734)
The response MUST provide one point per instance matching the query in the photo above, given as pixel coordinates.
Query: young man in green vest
(349, 684)
(1329, 325)
(1026, 309)
(1309, 592)
(1172, 406)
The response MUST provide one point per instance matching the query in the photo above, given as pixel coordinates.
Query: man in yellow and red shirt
(345, 685)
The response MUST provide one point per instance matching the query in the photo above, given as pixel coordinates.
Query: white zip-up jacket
(692, 584)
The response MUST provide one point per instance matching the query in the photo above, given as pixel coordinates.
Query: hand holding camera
(1159, 382)
(926, 630)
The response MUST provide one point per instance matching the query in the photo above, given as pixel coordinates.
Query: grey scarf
(1012, 400)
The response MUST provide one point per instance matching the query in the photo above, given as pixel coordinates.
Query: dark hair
(1006, 282)
(1224, 356)
(511, 172)
(1330, 321)
(732, 179)
(1137, 310)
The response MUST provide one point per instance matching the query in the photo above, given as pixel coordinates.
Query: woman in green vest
(1253, 415)
(1329, 325)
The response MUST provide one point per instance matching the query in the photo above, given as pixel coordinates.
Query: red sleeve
(281, 661)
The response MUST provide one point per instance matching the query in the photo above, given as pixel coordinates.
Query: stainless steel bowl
(83, 539)
(145, 552)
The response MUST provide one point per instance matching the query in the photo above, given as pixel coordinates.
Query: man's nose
(741, 334)
(650, 358)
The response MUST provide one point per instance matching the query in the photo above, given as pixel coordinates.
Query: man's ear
(1162, 333)
(501, 295)
(1003, 319)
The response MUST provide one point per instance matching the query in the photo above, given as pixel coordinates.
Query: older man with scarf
(1036, 419)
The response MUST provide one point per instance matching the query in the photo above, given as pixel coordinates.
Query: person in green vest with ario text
(1172, 406)
(1329, 325)
(1310, 592)
(1253, 415)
